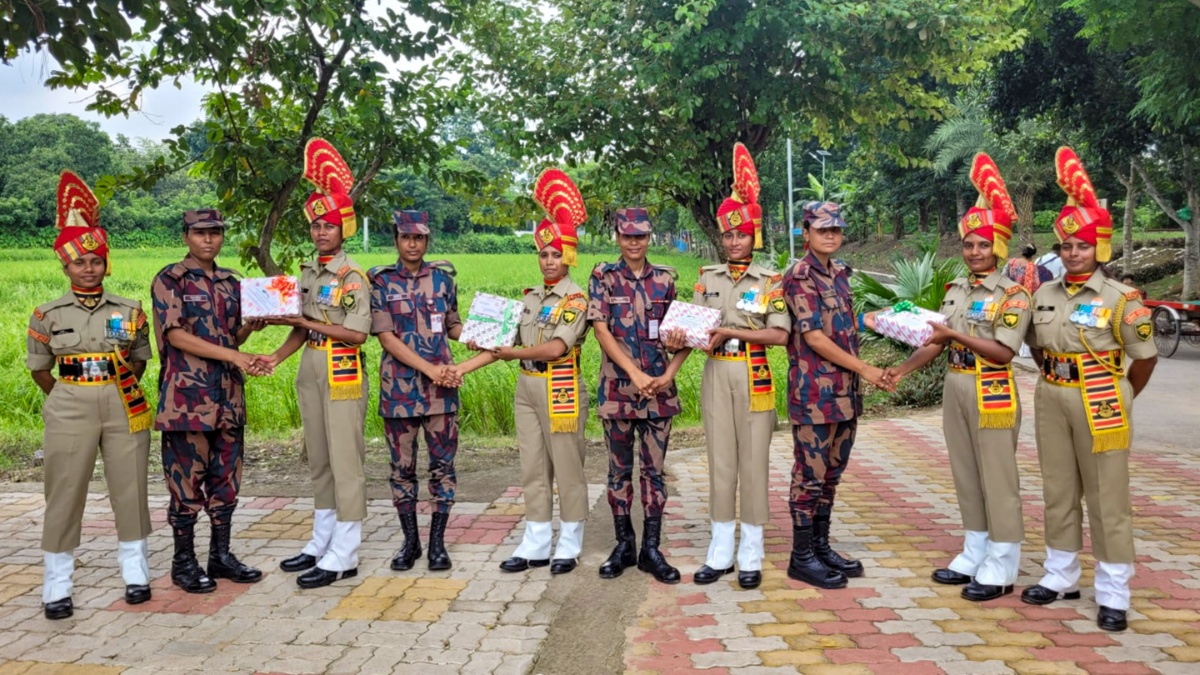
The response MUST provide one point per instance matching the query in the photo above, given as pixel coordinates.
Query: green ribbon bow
(905, 306)
(507, 321)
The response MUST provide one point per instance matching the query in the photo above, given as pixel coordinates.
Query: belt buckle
(733, 346)
(93, 369)
(1062, 370)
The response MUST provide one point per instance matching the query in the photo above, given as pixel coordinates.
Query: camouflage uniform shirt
(819, 391)
(420, 308)
(195, 393)
(633, 306)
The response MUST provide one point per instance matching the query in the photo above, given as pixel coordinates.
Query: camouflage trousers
(652, 450)
(204, 472)
(822, 452)
(441, 437)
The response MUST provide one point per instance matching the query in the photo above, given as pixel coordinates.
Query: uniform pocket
(60, 341)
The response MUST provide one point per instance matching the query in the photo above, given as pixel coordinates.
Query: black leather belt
(961, 358)
(1060, 370)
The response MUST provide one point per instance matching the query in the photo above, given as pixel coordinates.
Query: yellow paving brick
(771, 606)
(968, 626)
(1003, 639)
(394, 588)
(1171, 614)
(792, 594)
(838, 669)
(455, 585)
(431, 610)
(401, 610)
(803, 642)
(801, 616)
(37, 668)
(643, 649)
(1192, 639)
(791, 657)
(1189, 654)
(781, 629)
(990, 613)
(994, 653)
(1031, 667)
(1173, 627)
(954, 603)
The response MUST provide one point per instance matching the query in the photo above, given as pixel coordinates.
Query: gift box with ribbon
(492, 321)
(694, 320)
(907, 323)
(270, 297)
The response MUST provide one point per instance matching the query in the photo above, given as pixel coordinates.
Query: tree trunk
(923, 216)
(898, 226)
(1131, 196)
(1024, 205)
(704, 210)
(943, 220)
(1191, 228)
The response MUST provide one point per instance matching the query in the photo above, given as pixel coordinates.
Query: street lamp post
(823, 154)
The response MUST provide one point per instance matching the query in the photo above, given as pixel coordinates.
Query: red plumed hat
(556, 193)
(328, 172)
(78, 221)
(741, 210)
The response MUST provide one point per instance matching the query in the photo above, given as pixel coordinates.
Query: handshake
(257, 365)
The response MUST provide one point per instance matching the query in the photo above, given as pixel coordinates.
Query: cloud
(163, 108)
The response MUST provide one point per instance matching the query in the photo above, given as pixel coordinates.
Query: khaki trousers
(333, 438)
(547, 457)
(78, 421)
(1071, 471)
(739, 444)
(983, 463)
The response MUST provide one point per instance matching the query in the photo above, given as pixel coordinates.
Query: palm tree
(1024, 155)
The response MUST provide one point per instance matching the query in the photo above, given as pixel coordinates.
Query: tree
(73, 31)
(284, 72)
(657, 94)
(1161, 42)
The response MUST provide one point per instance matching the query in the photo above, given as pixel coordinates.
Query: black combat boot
(439, 559)
(805, 566)
(624, 554)
(650, 559)
(832, 559)
(410, 551)
(186, 572)
(222, 564)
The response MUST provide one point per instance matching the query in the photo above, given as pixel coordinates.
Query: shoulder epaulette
(128, 302)
(668, 270)
(848, 266)
(800, 270)
(445, 266)
(527, 291)
(41, 309)
(1133, 295)
(174, 270)
(602, 268)
(708, 268)
(379, 269)
(775, 279)
(231, 272)
(1014, 289)
(347, 270)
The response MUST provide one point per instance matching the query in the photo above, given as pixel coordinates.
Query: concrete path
(897, 513)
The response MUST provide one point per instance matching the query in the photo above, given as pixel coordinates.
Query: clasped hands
(890, 377)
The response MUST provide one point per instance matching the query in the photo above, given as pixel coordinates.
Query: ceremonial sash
(1099, 384)
(344, 367)
(132, 397)
(996, 395)
(562, 392)
(758, 368)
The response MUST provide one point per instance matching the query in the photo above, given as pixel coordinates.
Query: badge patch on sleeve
(1144, 331)
(1010, 319)
(778, 305)
(348, 301)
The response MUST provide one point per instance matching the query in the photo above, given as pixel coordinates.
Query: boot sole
(657, 578)
(235, 580)
(1073, 595)
(199, 591)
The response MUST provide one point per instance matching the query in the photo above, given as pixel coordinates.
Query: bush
(1043, 221)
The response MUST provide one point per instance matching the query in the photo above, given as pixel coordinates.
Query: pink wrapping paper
(694, 320)
(911, 328)
(270, 297)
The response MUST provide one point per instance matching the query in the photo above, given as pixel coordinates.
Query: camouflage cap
(632, 221)
(411, 222)
(202, 219)
(822, 215)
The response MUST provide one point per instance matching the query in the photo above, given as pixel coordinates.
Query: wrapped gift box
(694, 320)
(907, 323)
(270, 297)
(492, 321)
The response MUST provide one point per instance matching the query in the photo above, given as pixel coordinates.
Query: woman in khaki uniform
(551, 401)
(100, 343)
(737, 392)
(986, 317)
(1092, 337)
(331, 385)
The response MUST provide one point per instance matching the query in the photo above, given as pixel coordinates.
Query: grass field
(34, 277)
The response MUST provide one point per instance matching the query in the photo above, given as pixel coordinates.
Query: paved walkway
(897, 514)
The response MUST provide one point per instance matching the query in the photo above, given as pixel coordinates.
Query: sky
(25, 94)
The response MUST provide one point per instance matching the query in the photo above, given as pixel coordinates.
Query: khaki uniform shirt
(337, 293)
(760, 290)
(559, 313)
(1127, 327)
(64, 327)
(1001, 309)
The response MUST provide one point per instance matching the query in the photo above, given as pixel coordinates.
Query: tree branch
(1152, 190)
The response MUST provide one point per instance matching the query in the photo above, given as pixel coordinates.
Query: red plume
(985, 176)
(75, 196)
(325, 168)
(745, 176)
(1073, 179)
(559, 198)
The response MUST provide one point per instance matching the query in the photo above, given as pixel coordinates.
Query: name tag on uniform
(393, 297)
(620, 300)
(713, 294)
(435, 323)
(195, 298)
(1045, 308)
(653, 331)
